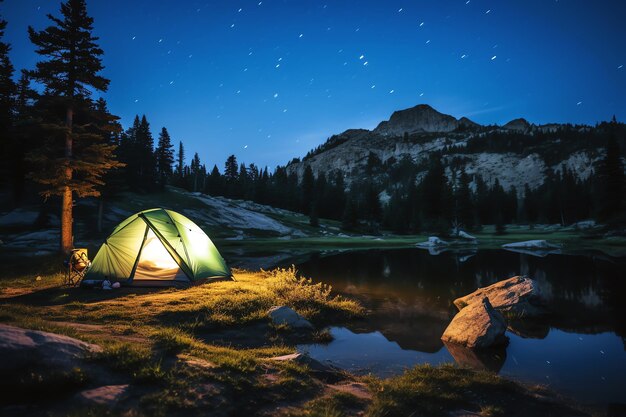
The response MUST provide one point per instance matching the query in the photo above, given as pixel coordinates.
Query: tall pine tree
(7, 96)
(70, 72)
(612, 182)
(164, 157)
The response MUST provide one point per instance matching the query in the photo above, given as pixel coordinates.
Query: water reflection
(481, 359)
(410, 294)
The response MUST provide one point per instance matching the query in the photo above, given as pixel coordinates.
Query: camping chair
(77, 265)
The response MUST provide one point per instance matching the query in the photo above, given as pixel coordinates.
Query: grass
(156, 341)
(220, 304)
(435, 391)
(153, 338)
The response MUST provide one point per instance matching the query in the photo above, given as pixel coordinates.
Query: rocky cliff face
(421, 118)
(421, 130)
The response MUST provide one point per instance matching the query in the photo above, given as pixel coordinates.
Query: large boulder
(27, 349)
(478, 325)
(518, 295)
(282, 315)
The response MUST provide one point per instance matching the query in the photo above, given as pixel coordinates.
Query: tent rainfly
(157, 247)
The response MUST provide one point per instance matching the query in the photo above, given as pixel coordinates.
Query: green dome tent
(157, 247)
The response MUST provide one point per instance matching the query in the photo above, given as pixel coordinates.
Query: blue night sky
(269, 80)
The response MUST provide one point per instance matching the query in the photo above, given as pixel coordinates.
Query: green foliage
(164, 154)
(612, 184)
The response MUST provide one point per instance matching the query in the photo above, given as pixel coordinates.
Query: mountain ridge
(518, 153)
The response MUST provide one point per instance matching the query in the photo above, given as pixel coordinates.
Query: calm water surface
(579, 350)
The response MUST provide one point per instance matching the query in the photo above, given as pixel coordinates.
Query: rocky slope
(419, 131)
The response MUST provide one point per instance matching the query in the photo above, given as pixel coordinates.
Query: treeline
(387, 195)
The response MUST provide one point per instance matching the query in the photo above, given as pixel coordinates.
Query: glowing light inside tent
(155, 256)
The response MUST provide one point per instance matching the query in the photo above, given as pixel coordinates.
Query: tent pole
(143, 242)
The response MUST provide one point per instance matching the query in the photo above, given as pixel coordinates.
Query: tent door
(156, 263)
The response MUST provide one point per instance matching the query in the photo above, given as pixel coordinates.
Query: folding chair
(77, 265)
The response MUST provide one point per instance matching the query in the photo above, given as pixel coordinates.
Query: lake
(580, 350)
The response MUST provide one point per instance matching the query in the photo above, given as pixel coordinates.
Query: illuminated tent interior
(157, 247)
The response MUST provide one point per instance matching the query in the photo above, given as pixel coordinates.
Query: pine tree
(242, 182)
(180, 157)
(195, 169)
(372, 208)
(307, 188)
(108, 127)
(7, 96)
(69, 74)
(164, 157)
(464, 204)
(314, 220)
(436, 192)
(23, 136)
(231, 170)
(214, 184)
(349, 219)
(144, 153)
(612, 182)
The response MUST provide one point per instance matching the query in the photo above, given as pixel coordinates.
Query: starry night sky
(269, 80)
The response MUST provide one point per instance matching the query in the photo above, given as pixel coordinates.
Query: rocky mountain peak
(421, 118)
(520, 125)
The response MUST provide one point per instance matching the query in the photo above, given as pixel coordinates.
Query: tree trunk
(67, 235)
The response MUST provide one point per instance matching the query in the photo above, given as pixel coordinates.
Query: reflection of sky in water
(410, 293)
(587, 367)
(590, 368)
(370, 352)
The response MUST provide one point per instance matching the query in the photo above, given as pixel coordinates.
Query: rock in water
(478, 325)
(531, 244)
(519, 295)
(432, 242)
(286, 315)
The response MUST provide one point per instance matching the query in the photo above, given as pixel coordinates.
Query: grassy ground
(206, 350)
